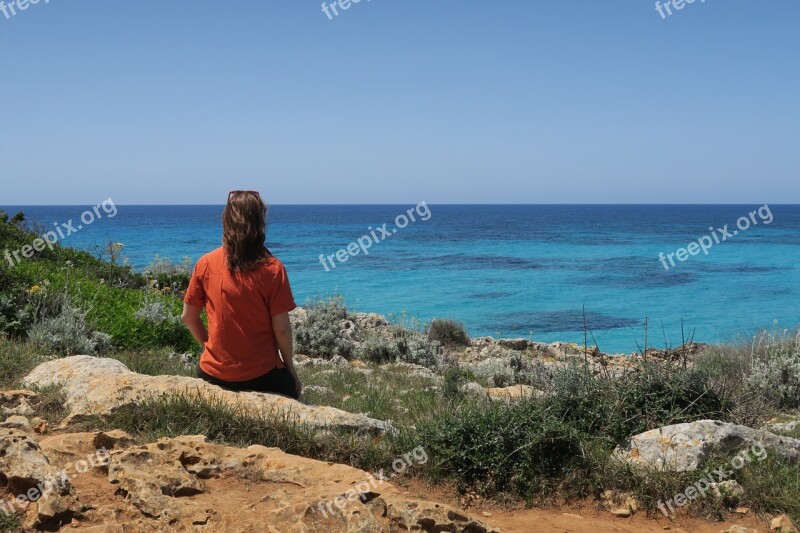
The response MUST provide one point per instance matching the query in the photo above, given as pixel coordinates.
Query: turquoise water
(524, 271)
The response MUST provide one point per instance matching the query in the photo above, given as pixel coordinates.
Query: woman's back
(239, 304)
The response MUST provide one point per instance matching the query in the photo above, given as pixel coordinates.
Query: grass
(186, 414)
(16, 360)
(386, 393)
(10, 523)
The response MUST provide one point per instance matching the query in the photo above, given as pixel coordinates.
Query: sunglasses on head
(230, 194)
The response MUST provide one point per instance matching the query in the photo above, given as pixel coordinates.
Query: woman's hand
(282, 327)
(298, 385)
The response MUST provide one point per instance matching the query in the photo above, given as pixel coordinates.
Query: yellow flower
(35, 289)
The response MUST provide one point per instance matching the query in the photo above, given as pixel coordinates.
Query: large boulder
(685, 447)
(98, 386)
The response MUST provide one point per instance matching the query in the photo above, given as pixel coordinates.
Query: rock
(621, 504)
(153, 481)
(514, 344)
(473, 388)
(371, 321)
(186, 482)
(782, 524)
(40, 425)
(99, 386)
(298, 316)
(513, 393)
(22, 462)
(27, 470)
(317, 389)
(340, 362)
(17, 402)
(689, 351)
(17, 422)
(685, 447)
(739, 529)
(729, 490)
(70, 447)
(783, 427)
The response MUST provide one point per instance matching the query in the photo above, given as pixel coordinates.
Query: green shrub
(518, 449)
(114, 310)
(15, 316)
(166, 273)
(156, 310)
(775, 368)
(10, 523)
(652, 395)
(320, 334)
(516, 369)
(68, 334)
(448, 333)
(17, 359)
(757, 377)
(399, 344)
(454, 377)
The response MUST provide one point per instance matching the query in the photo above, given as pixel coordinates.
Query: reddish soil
(584, 517)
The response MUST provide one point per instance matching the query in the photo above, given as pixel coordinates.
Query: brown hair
(244, 230)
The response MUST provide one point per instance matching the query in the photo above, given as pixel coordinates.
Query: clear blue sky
(400, 101)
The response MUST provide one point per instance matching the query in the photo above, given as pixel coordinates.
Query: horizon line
(416, 203)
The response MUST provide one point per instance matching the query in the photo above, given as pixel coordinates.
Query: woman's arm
(282, 327)
(191, 317)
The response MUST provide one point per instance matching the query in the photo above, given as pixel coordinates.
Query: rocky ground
(187, 484)
(103, 481)
(57, 476)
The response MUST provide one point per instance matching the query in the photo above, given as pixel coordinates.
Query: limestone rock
(153, 481)
(783, 426)
(17, 402)
(782, 524)
(685, 447)
(621, 504)
(70, 447)
(28, 471)
(473, 388)
(728, 490)
(17, 422)
(176, 482)
(22, 461)
(99, 386)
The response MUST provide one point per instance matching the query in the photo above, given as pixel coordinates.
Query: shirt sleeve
(279, 296)
(196, 293)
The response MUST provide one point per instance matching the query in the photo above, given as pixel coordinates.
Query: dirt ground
(229, 497)
(583, 518)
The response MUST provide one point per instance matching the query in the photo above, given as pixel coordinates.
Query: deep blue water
(510, 270)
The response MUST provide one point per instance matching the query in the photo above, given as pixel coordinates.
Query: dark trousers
(276, 381)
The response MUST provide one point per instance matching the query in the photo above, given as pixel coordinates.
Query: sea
(544, 272)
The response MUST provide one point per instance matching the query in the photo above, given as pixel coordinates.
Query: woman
(246, 294)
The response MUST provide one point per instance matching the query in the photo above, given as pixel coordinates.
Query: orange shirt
(240, 306)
